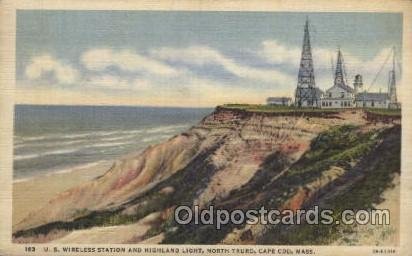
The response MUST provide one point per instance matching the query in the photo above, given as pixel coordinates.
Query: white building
(372, 100)
(340, 95)
(369, 99)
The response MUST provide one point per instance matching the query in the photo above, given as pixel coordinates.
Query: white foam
(75, 168)
(103, 139)
(19, 145)
(73, 136)
(100, 133)
(26, 156)
(106, 133)
(118, 138)
(21, 180)
(49, 144)
(21, 141)
(37, 140)
(133, 131)
(108, 144)
(150, 139)
(168, 128)
(62, 171)
(47, 153)
(70, 136)
(69, 150)
(34, 138)
(117, 132)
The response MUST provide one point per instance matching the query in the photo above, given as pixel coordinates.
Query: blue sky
(189, 58)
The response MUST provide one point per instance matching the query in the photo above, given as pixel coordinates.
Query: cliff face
(234, 160)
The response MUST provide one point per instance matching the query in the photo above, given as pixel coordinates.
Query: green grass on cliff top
(288, 109)
(384, 111)
(273, 108)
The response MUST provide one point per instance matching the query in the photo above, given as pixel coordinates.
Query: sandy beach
(31, 194)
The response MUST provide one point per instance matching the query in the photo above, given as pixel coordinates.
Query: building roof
(344, 87)
(369, 96)
(347, 88)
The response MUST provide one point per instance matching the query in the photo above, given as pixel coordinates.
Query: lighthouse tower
(358, 84)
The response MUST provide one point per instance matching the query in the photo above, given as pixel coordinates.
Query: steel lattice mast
(306, 89)
(339, 76)
(392, 82)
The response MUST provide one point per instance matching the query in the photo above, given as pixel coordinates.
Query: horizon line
(112, 105)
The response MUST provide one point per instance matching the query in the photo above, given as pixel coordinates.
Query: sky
(190, 59)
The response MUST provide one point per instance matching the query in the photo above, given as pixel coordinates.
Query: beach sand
(31, 194)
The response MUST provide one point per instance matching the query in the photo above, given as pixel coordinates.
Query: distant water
(49, 139)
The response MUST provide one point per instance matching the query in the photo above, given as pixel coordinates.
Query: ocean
(52, 139)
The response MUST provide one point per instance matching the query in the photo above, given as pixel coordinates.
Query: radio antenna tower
(393, 99)
(306, 95)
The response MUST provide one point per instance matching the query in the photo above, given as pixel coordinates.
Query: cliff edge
(232, 159)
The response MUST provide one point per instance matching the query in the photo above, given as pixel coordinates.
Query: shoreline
(32, 193)
(60, 171)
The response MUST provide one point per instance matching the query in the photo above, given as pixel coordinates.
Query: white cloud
(41, 65)
(276, 53)
(100, 59)
(214, 93)
(107, 81)
(142, 84)
(117, 83)
(324, 59)
(369, 68)
(150, 80)
(202, 55)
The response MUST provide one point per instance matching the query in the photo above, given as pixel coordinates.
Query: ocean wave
(133, 131)
(85, 134)
(108, 144)
(49, 144)
(168, 128)
(60, 139)
(25, 156)
(117, 132)
(62, 171)
(33, 138)
(102, 139)
(22, 180)
(154, 138)
(68, 150)
(17, 140)
(75, 168)
(149, 139)
(63, 143)
(91, 134)
(46, 153)
(19, 145)
(72, 136)
(106, 133)
(118, 138)
(23, 139)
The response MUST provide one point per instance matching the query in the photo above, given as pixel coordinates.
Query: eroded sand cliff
(234, 160)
